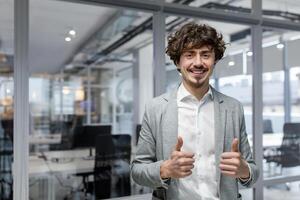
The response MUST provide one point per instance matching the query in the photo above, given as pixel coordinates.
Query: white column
(146, 78)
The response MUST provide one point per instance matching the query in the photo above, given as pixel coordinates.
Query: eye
(207, 55)
(188, 55)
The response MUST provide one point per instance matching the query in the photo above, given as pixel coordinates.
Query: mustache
(195, 67)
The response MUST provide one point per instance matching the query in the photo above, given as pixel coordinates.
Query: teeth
(198, 71)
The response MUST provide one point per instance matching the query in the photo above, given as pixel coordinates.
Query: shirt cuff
(165, 182)
(245, 181)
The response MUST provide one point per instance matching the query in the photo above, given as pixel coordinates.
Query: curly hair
(193, 35)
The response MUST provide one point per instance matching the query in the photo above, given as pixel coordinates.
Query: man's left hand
(232, 164)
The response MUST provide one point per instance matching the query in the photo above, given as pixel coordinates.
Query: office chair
(267, 126)
(288, 154)
(112, 166)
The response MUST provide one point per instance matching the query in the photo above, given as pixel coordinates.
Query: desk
(43, 166)
(75, 162)
(269, 140)
(45, 139)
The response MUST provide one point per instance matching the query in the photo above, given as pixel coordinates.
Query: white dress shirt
(196, 127)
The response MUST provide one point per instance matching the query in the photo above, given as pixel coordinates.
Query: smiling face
(196, 66)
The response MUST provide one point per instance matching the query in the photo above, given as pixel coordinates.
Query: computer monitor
(85, 136)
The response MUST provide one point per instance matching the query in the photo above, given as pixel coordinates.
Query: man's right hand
(179, 165)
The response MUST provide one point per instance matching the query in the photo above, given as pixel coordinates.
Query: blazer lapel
(220, 127)
(170, 125)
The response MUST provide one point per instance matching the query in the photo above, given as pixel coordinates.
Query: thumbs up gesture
(179, 165)
(232, 164)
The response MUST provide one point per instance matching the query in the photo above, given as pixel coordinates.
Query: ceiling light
(249, 53)
(72, 32)
(67, 39)
(279, 46)
(231, 63)
(66, 90)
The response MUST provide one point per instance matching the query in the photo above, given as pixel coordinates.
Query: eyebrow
(192, 51)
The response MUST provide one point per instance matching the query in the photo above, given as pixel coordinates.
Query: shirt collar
(184, 93)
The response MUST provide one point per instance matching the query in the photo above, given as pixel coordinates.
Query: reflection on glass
(240, 87)
(281, 9)
(6, 98)
(80, 125)
(295, 94)
(101, 105)
(101, 76)
(288, 190)
(229, 6)
(273, 110)
(281, 151)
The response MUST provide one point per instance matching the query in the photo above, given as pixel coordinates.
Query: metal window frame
(159, 9)
(21, 100)
(159, 65)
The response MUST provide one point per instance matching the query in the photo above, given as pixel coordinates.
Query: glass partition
(281, 10)
(82, 60)
(6, 98)
(280, 81)
(282, 191)
(226, 6)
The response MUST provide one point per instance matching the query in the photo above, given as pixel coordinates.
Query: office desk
(68, 162)
(45, 167)
(45, 139)
(269, 140)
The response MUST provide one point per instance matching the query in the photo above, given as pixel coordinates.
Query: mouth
(198, 72)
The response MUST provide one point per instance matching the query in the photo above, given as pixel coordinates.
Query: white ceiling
(51, 20)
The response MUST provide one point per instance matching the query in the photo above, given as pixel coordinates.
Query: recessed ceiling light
(249, 53)
(72, 32)
(231, 63)
(67, 39)
(279, 46)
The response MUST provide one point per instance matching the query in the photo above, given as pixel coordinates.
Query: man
(193, 142)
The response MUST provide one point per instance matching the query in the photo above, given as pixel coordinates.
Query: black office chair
(121, 169)
(112, 165)
(6, 160)
(288, 154)
(267, 126)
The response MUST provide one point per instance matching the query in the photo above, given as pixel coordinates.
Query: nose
(198, 61)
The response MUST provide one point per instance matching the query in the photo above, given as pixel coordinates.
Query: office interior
(93, 65)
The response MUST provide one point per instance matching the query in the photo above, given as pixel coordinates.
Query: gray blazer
(158, 137)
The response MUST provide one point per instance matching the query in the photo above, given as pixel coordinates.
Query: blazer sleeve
(145, 169)
(246, 152)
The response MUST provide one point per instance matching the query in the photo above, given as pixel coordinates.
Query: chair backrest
(290, 147)
(103, 166)
(86, 135)
(113, 153)
(113, 147)
(267, 126)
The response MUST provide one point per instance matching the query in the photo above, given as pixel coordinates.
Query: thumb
(179, 144)
(235, 145)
